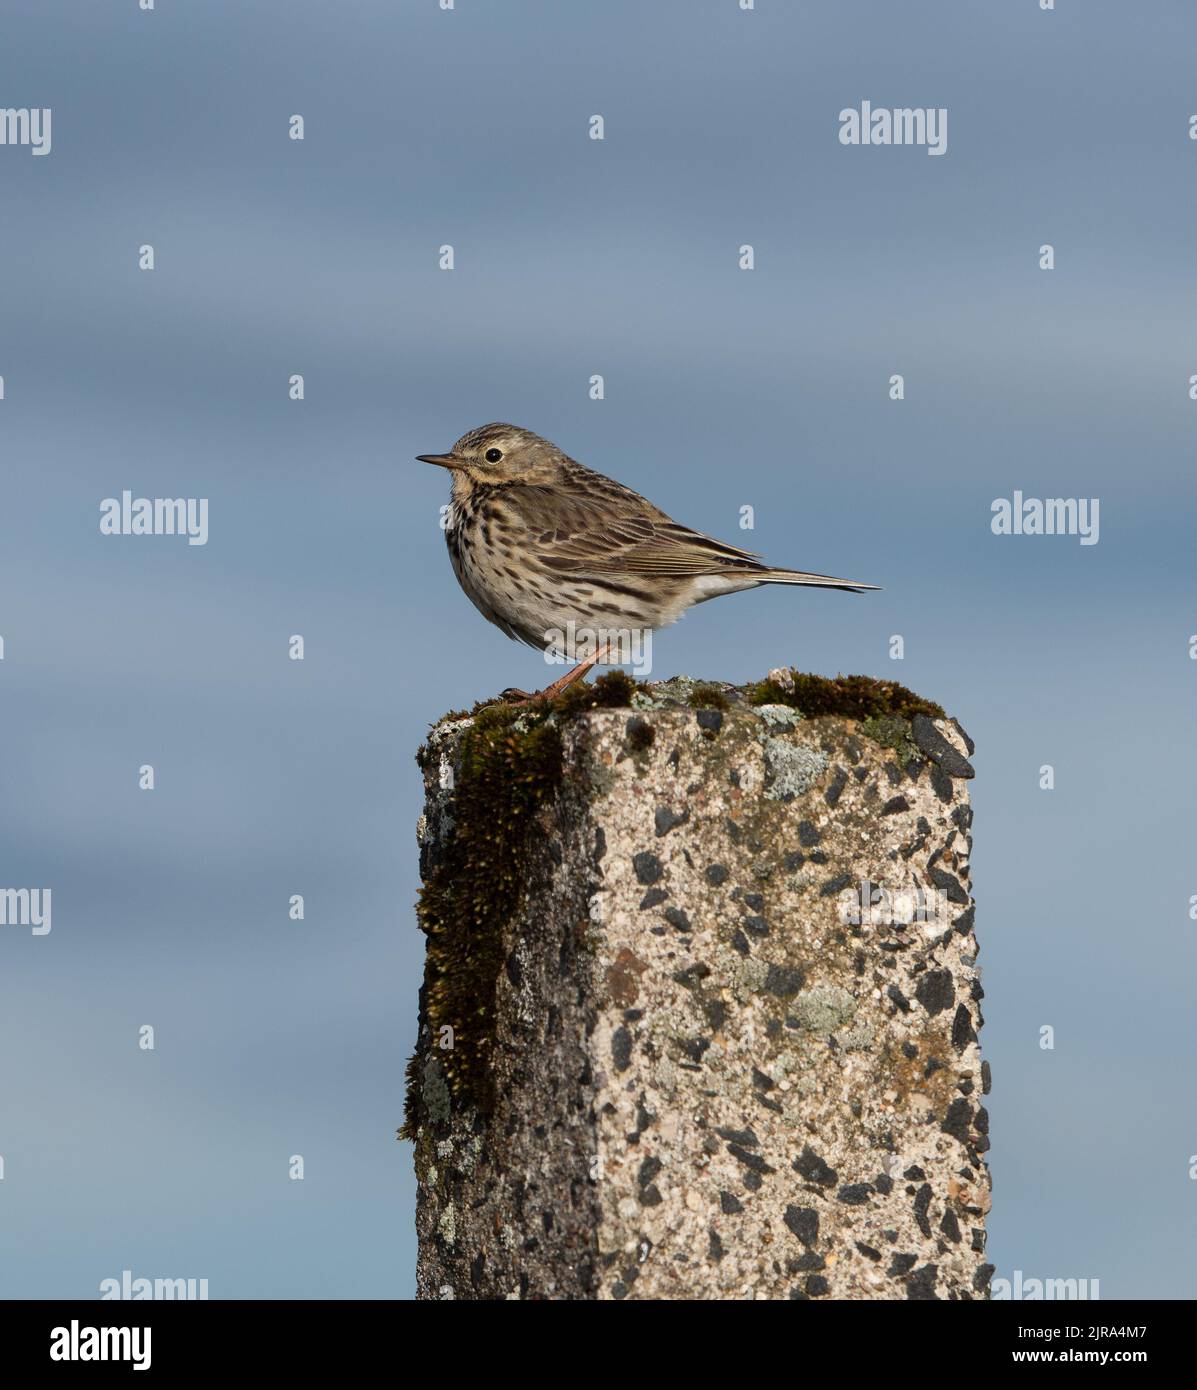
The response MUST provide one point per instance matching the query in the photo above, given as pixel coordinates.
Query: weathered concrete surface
(711, 1082)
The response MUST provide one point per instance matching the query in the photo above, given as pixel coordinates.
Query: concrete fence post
(701, 1002)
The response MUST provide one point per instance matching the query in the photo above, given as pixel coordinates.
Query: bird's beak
(442, 460)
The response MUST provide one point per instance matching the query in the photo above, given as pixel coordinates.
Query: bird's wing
(612, 530)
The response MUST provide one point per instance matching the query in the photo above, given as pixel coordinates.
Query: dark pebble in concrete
(855, 1194)
(804, 1223)
(930, 741)
(935, 991)
(784, 981)
(815, 1169)
(833, 792)
(647, 866)
(666, 820)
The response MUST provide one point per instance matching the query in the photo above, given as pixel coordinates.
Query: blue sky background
(723, 389)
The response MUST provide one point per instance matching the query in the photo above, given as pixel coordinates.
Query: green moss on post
(707, 696)
(510, 766)
(849, 697)
(506, 773)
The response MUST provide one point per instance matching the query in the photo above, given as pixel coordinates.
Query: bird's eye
(493, 455)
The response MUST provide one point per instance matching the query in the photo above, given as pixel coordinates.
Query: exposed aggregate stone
(709, 1083)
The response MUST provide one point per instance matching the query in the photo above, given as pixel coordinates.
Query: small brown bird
(574, 563)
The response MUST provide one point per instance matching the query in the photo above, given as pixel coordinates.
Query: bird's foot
(514, 696)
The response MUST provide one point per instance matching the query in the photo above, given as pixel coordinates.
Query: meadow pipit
(573, 562)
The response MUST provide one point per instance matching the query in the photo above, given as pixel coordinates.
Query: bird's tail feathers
(818, 581)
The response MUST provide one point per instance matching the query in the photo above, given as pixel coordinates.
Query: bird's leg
(550, 692)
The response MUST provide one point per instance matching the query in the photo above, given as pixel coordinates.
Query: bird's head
(500, 454)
